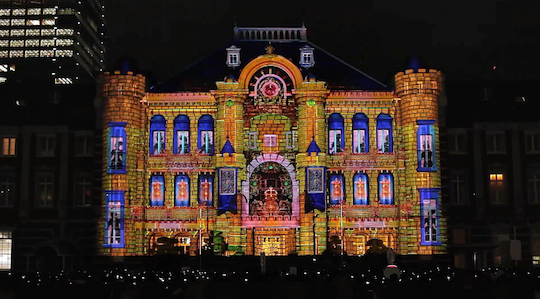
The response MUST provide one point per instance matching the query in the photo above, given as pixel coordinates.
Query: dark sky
(462, 38)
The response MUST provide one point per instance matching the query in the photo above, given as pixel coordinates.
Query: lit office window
(5, 12)
(64, 53)
(63, 81)
(16, 43)
(19, 12)
(16, 53)
(49, 11)
(17, 22)
(32, 42)
(47, 31)
(5, 250)
(32, 22)
(4, 22)
(46, 53)
(4, 68)
(64, 42)
(48, 22)
(32, 32)
(34, 11)
(4, 54)
(31, 53)
(47, 42)
(4, 43)
(4, 32)
(17, 32)
(65, 32)
(66, 11)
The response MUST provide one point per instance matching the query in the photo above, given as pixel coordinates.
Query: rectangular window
(532, 142)
(64, 31)
(49, 11)
(17, 32)
(83, 146)
(48, 22)
(6, 241)
(114, 219)
(4, 32)
(426, 145)
(383, 141)
(16, 53)
(429, 209)
(64, 53)
(7, 191)
(45, 190)
(32, 22)
(31, 53)
(45, 146)
(34, 11)
(290, 140)
(359, 141)
(9, 146)
(458, 187)
(157, 190)
(64, 42)
(16, 43)
(45, 32)
(83, 190)
(5, 12)
(335, 141)
(4, 22)
(32, 42)
(496, 188)
(19, 12)
(270, 140)
(495, 143)
(117, 149)
(47, 42)
(183, 141)
(233, 59)
(32, 32)
(533, 187)
(252, 140)
(17, 22)
(46, 53)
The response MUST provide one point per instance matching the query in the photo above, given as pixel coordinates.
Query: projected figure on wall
(206, 144)
(426, 151)
(182, 142)
(156, 191)
(386, 191)
(335, 142)
(113, 225)
(337, 192)
(159, 142)
(430, 226)
(182, 190)
(205, 193)
(360, 188)
(117, 153)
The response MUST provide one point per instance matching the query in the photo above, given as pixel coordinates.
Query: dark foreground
(437, 282)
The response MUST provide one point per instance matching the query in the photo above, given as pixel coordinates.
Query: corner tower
(423, 230)
(124, 123)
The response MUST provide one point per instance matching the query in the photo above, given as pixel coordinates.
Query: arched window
(384, 134)
(336, 127)
(157, 190)
(181, 135)
(426, 145)
(157, 134)
(386, 188)
(361, 189)
(181, 190)
(205, 135)
(360, 125)
(337, 188)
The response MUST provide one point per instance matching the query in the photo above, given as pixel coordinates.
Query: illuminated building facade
(293, 151)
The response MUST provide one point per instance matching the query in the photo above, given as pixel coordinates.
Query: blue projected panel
(386, 188)
(116, 158)
(114, 218)
(181, 190)
(429, 209)
(337, 188)
(361, 189)
(227, 190)
(426, 145)
(315, 188)
(157, 191)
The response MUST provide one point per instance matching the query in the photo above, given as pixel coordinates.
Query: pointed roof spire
(313, 147)
(228, 147)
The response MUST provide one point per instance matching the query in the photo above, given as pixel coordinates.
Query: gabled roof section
(252, 41)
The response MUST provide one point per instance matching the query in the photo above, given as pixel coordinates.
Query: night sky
(464, 38)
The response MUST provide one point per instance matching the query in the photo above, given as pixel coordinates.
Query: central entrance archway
(270, 190)
(277, 185)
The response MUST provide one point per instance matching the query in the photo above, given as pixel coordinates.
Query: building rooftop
(252, 41)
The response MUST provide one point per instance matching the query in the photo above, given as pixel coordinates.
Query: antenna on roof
(303, 12)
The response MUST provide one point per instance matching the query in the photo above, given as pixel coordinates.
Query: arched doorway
(270, 190)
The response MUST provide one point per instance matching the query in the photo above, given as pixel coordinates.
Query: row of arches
(181, 135)
(360, 134)
(270, 34)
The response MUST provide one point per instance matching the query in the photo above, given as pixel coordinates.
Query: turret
(124, 122)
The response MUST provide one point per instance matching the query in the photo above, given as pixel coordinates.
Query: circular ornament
(229, 103)
(311, 102)
(270, 89)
